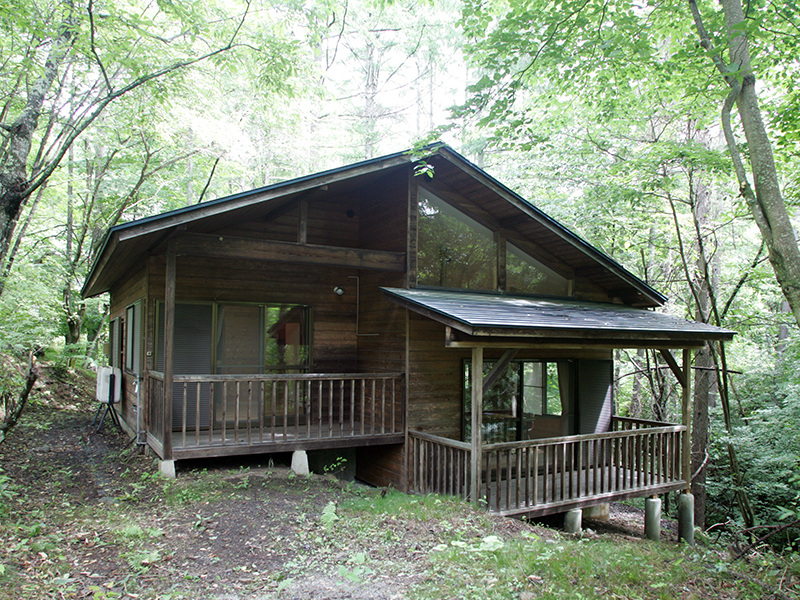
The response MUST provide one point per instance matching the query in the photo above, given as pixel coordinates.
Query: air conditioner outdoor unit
(109, 385)
(109, 392)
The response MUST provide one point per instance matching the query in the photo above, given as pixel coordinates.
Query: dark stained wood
(302, 224)
(195, 244)
(169, 338)
(539, 477)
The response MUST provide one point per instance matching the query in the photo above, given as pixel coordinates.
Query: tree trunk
(14, 170)
(768, 206)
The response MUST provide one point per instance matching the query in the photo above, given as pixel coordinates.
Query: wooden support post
(476, 458)
(169, 347)
(686, 450)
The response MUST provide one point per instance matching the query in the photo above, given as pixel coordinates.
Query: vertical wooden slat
(213, 411)
(262, 399)
(383, 406)
(535, 476)
(545, 473)
(297, 409)
(249, 404)
(236, 412)
(394, 408)
(285, 408)
(184, 402)
(372, 419)
(602, 462)
(363, 404)
(508, 477)
(197, 419)
(563, 469)
(341, 407)
(579, 469)
(518, 457)
(224, 411)
(274, 404)
(320, 396)
(352, 406)
(330, 408)
(307, 408)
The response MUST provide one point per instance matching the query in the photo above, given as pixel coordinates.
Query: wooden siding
(595, 404)
(333, 335)
(381, 323)
(129, 291)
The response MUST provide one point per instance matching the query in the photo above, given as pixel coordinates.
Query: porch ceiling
(515, 319)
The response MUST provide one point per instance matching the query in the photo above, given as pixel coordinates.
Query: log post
(476, 455)
(169, 339)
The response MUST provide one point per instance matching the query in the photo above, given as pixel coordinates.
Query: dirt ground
(86, 515)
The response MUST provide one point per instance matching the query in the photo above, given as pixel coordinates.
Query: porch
(545, 476)
(223, 415)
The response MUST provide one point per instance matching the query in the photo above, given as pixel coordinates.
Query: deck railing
(154, 415)
(439, 465)
(224, 410)
(544, 475)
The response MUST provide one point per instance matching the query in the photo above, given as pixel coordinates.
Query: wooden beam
(675, 367)
(476, 453)
(455, 338)
(199, 244)
(499, 368)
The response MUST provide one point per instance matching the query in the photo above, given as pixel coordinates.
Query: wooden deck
(540, 477)
(223, 415)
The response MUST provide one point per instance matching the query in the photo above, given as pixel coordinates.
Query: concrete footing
(598, 512)
(652, 519)
(167, 468)
(300, 462)
(572, 520)
(686, 518)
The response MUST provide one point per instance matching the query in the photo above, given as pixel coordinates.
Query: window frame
(565, 409)
(308, 316)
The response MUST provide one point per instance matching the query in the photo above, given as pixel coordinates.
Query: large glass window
(237, 338)
(526, 275)
(528, 400)
(453, 250)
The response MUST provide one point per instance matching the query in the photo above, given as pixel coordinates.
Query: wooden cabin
(455, 336)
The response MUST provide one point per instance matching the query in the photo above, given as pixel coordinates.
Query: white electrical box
(105, 376)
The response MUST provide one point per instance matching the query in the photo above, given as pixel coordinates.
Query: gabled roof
(493, 315)
(455, 179)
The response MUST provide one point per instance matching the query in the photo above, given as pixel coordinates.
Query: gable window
(526, 275)
(529, 400)
(453, 250)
